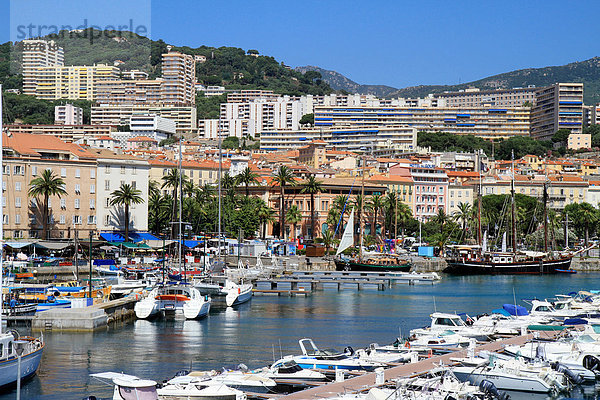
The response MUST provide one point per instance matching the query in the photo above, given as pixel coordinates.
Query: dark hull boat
(374, 266)
(550, 266)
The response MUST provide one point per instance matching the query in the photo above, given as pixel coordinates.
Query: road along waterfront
(267, 327)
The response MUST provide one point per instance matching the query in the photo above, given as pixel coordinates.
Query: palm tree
(391, 201)
(247, 178)
(126, 195)
(338, 209)
(312, 186)
(227, 181)
(282, 178)
(441, 218)
(46, 185)
(376, 204)
(463, 214)
(265, 215)
(327, 240)
(588, 218)
(404, 215)
(293, 216)
(171, 181)
(158, 211)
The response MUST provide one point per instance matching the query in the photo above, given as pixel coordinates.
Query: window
(3, 185)
(107, 220)
(63, 203)
(122, 183)
(18, 186)
(18, 235)
(122, 170)
(91, 219)
(134, 171)
(107, 169)
(18, 202)
(32, 220)
(107, 203)
(107, 185)
(92, 188)
(18, 219)
(77, 173)
(63, 172)
(49, 203)
(77, 219)
(33, 171)
(133, 185)
(6, 169)
(92, 173)
(77, 202)
(77, 188)
(5, 219)
(459, 193)
(19, 170)
(92, 204)
(62, 219)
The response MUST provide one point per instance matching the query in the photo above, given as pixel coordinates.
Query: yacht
(128, 387)
(441, 322)
(171, 299)
(237, 293)
(329, 359)
(235, 379)
(10, 343)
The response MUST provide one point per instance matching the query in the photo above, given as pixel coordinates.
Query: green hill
(231, 67)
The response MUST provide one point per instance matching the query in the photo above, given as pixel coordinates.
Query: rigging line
(344, 209)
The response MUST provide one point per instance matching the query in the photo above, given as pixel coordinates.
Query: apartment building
(67, 133)
(578, 141)
(398, 139)
(128, 91)
(474, 97)
(247, 96)
(72, 82)
(68, 114)
(120, 114)
(179, 79)
(559, 106)
(200, 172)
(459, 193)
(485, 122)
(26, 156)
(39, 54)
(113, 170)
(403, 186)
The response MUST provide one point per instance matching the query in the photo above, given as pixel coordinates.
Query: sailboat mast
(545, 198)
(219, 196)
(513, 213)
(479, 233)
(566, 231)
(180, 204)
(362, 209)
(2, 219)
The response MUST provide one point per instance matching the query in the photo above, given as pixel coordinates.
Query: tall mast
(396, 222)
(479, 198)
(180, 205)
(545, 198)
(566, 231)
(362, 209)
(2, 219)
(513, 213)
(219, 196)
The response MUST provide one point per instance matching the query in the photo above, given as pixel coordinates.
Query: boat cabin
(7, 349)
(446, 321)
(310, 349)
(542, 307)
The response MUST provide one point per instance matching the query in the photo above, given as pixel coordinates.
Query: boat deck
(406, 370)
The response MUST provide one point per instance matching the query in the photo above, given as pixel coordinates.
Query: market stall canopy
(52, 245)
(133, 246)
(192, 243)
(18, 245)
(134, 237)
(112, 237)
(158, 244)
(141, 236)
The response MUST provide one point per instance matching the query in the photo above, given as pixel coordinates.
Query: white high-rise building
(39, 54)
(68, 114)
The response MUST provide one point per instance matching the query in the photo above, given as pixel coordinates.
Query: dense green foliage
(307, 119)
(502, 149)
(231, 142)
(30, 110)
(594, 130)
(208, 107)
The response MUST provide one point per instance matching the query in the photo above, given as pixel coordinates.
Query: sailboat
(471, 260)
(14, 368)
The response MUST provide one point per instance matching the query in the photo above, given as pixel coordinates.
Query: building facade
(179, 79)
(39, 54)
(68, 114)
(559, 106)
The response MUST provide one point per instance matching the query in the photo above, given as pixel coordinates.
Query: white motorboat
(514, 374)
(235, 379)
(128, 387)
(237, 293)
(209, 287)
(169, 299)
(329, 359)
(198, 391)
(290, 370)
(134, 283)
(10, 343)
(441, 322)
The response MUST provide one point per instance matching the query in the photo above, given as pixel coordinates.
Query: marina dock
(366, 381)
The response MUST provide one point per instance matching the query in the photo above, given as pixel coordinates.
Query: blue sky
(398, 43)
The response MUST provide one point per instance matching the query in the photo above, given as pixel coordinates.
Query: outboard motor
(183, 372)
(571, 376)
(540, 353)
(592, 363)
(242, 367)
(490, 389)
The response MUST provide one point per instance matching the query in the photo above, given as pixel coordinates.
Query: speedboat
(290, 370)
(237, 293)
(134, 281)
(329, 359)
(169, 299)
(198, 391)
(441, 322)
(10, 345)
(128, 387)
(235, 379)
(509, 320)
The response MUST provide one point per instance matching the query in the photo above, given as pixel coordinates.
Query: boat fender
(239, 290)
(571, 376)
(206, 298)
(592, 363)
(407, 344)
(429, 353)
(349, 350)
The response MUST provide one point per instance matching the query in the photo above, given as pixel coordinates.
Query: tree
(232, 142)
(441, 218)
(171, 181)
(265, 215)
(46, 185)
(293, 217)
(247, 178)
(464, 213)
(159, 211)
(377, 203)
(561, 136)
(282, 178)
(252, 51)
(336, 213)
(585, 218)
(404, 215)
(327, 240)
(307, 119)
(125, 196)
(312, 186)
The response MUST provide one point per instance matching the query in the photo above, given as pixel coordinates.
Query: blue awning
(112, 237)
(140, 236)
(192, 243)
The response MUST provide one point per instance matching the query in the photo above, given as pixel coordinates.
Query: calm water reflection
(270, 326)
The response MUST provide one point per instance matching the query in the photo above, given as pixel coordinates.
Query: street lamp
(90, 281)
(19, 346)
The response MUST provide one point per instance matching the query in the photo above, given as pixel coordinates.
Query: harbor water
(268, 327)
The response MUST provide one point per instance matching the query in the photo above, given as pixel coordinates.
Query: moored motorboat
(237, 293)
(329, 359)
(10, 344)
(179, 298)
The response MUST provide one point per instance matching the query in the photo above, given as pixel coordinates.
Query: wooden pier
(406, 370)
